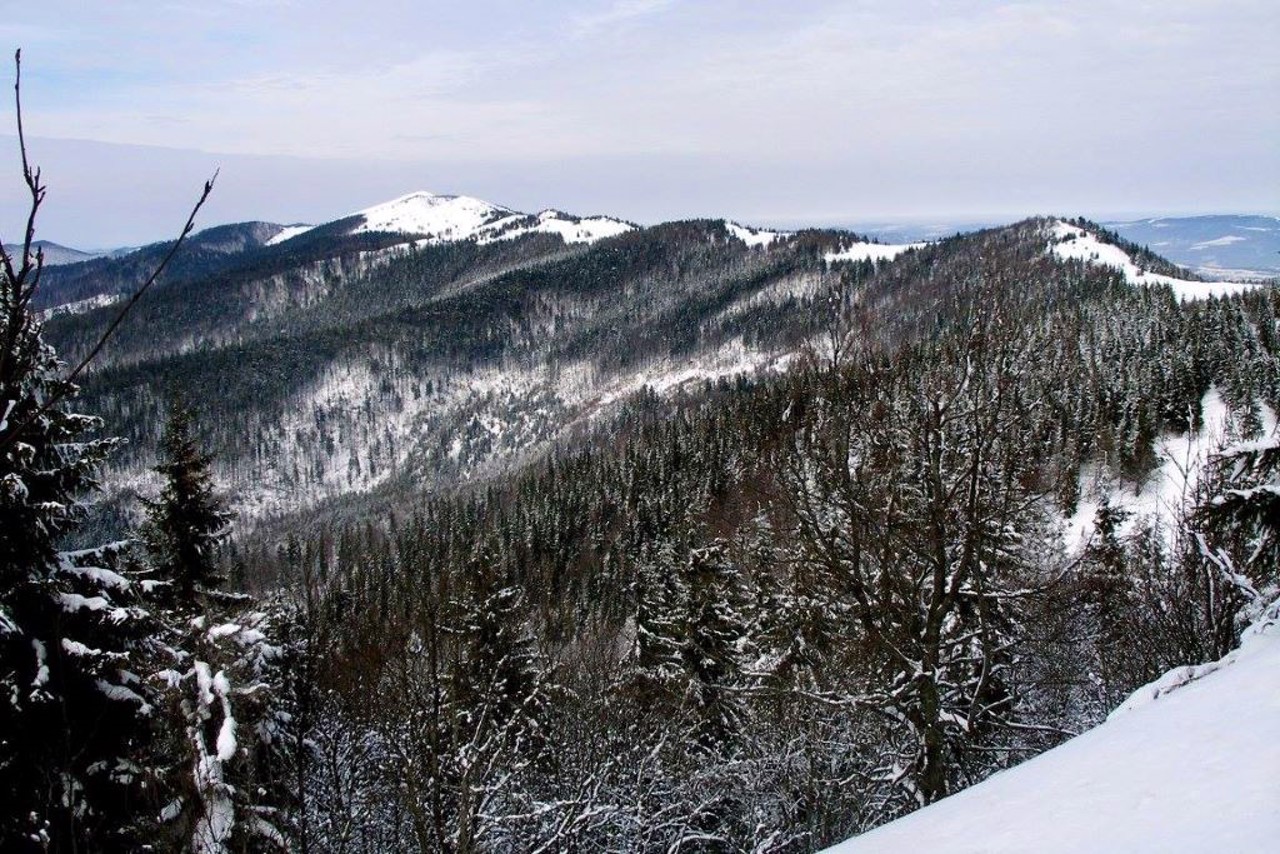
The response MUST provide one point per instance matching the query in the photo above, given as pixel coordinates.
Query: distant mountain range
(1224, 246)
(56, 254)
(1219, 246)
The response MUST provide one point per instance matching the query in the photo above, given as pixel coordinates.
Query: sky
(809, 111)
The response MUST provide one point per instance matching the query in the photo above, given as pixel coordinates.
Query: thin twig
(137, 295)
(22, 296)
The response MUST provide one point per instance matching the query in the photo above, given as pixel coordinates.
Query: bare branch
(23, 290)
(137, 295)
(17, 288)
(32, 179)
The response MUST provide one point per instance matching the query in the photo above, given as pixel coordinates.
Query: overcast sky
(770, 113)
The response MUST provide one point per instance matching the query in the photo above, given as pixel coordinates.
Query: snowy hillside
(1073, 242)
(473, 353)
(446, 219)
(288, 232)
(1192, 768)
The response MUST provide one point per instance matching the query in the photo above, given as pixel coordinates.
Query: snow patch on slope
(573, 229)
(288, 233)
(1168, 489)
(81, 306)
(755, 237)
(1185, 769)
(1072, 242)
(870, 252)
(733, 359)
(1225, 240)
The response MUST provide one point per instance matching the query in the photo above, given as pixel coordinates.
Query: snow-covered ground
(733, 359)
(1072, 242)
(1168, 489)
(570, 228)
(1191, 768)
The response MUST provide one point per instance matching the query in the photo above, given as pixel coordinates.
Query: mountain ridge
(365, 359)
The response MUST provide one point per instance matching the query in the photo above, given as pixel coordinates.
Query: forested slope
(329, 369)
(769, 615)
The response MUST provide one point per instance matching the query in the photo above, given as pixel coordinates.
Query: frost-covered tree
(654, 673)
(218, 671)
(909, 491)
(219, 734)
(1243, 512)
(715, 628)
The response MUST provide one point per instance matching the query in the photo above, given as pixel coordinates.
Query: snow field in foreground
(1194, 769)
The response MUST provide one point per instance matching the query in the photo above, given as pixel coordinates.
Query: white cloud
(617, 14)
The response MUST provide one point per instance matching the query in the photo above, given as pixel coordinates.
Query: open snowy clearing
(1190, 763)
(754, 237)
(1167, 491)
(870, 252)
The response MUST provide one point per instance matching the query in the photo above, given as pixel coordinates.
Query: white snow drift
(1190, 763)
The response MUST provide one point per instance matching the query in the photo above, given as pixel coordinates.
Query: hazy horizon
(821, 112)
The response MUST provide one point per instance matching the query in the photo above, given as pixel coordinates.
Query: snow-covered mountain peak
(441, 217)
(437, 218)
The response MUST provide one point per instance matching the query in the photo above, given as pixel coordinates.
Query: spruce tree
(709, 653)
(188, 522)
